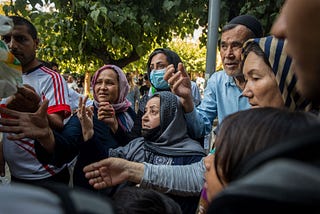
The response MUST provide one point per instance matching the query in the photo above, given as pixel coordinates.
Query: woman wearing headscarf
(112, 120)
(164, 140)
(270, 79)
(158, 60)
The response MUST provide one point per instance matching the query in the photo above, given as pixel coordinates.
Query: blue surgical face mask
(156, 79)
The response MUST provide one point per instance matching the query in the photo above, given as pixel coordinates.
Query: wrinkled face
(158, 62)
(261, 87)
(212, 184)
(231, 48)
(151, 117)
(22, 45)
(299, 23)
(107, 86)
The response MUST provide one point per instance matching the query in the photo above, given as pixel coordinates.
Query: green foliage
(94, 32)
(81, 35)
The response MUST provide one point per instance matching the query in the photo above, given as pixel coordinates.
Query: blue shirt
(221, 97)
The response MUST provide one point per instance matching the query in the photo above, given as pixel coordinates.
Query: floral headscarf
(281, 65)
(122, 104)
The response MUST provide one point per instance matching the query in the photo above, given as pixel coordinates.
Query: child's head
(137, 200)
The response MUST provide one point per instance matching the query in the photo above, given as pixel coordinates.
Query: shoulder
(219, 75)
(44, 72)
(218, 78)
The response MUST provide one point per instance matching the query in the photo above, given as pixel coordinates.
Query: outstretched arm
(112, 171)
(31, 125)
(185, 180)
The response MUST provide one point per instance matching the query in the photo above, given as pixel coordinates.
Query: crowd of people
(144, 151)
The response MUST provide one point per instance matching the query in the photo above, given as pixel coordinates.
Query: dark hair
(255, 48)
(134, 200)
(172, 57)
(18, 20)
(243, 133)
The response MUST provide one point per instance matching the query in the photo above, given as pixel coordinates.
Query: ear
(36, 43)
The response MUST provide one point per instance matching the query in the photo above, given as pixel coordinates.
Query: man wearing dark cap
(223, 93)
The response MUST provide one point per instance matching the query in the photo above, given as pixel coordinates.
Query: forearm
(135, 172)
(47, 141)
(55, 121)
(187, 103)
(195, 123)
(184, 180)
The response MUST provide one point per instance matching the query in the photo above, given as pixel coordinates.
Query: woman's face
(212, 183)
(158, 62)
(151, 117)
(261, 87)
(107, 86)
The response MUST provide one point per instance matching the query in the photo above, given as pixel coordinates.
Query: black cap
(250, 22)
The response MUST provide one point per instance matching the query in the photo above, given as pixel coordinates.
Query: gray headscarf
(174, 139)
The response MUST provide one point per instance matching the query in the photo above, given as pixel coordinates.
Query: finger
(182, 70)
(9, 121)
(17, 136)
(80, 101)
(10, 129)
(91, 167)
(100, 185)
(92, 174)
(173, 79)
(42, 110)
(177, 83)
(85, 99)
(90, 111)
(10, 113)
(170, 70)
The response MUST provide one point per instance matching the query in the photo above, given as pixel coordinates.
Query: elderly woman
(269, 76)
(164, 140)
(112, 120)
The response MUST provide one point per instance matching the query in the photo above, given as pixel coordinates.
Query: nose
(145, 117)
(247, 92)
(104, 85)
(229, 53)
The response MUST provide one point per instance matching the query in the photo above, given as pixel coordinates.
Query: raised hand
(180, 84)
(107, 114)
(113, 171)
(23, 124)
(25, 100)
(85, 115)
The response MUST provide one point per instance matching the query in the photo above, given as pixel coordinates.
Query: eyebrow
(153, 106)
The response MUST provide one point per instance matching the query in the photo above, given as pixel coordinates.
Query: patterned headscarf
(122, 104)
(281, 65)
